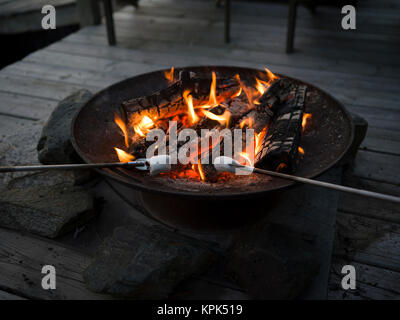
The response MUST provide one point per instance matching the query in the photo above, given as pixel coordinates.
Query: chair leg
(227, 37)
(108, 11)
(291, 25)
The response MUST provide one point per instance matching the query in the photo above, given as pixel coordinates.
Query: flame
(270, 75)
(246, 157)
(262, 86)
(237, 94)
(259, 139)
(247, 121)
(212, 101)
(222, 119)
(201, 171)
(304, 121)
(169, 75)
(144, 126)
(281, 167)
(301, 151)
(121, 124)
(124, 156)
(189, 102)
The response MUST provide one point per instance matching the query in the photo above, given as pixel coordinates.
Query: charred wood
(279, 149)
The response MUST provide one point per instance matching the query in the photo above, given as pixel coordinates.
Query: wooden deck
(360, 68)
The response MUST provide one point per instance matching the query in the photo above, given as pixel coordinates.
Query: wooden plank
(378, 167)
(365, 46)
(377, 117)
(368, 207)
(20, 105)
(369, 241)
(22, 258)
(371, 282)
(179, 42)
(114, 69)
(39, 88)
(75, 45)
(108, 65)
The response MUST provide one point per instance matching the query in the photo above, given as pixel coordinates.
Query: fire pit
(186, 197)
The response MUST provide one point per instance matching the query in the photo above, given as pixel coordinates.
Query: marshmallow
(223, 164)
(159, 164)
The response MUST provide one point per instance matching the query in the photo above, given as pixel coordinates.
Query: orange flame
(237, 94)
(169, 75)
(270, 75)
(124, 156)
(281, 167)
(246, 157)
(121, 124)
(301, 151)
(247, 121)
(222, 119)
(212, 101)
(305, 120)
(261, 86)
(189, 102)
(144, 126)
(201, 171)
(259, 139)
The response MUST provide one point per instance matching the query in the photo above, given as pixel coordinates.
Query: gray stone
(54, 146)
(45, 211)
(272, 262)
(145, 262)
(19, 149)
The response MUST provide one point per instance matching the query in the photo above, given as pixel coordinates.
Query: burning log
(279, 149)
(170, 101)
(139, 114)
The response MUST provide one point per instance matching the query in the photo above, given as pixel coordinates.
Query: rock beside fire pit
(145, 262)
(46, 203)
(45, 211)
(54, 145)
(272, 262)
(19, 149)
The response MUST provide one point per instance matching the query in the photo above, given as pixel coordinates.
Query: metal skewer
(73, 166)
(228, 164)
(154, 165)
(328, 185)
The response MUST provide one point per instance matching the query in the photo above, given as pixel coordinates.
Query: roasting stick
(228, 164)
(71, 166)
(155, 165)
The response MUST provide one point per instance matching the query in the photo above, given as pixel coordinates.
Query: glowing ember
(301, 151)
(122, 126)
(124, 156)
(306, 119)
(169, 75)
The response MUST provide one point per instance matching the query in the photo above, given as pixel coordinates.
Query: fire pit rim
(111, 173)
